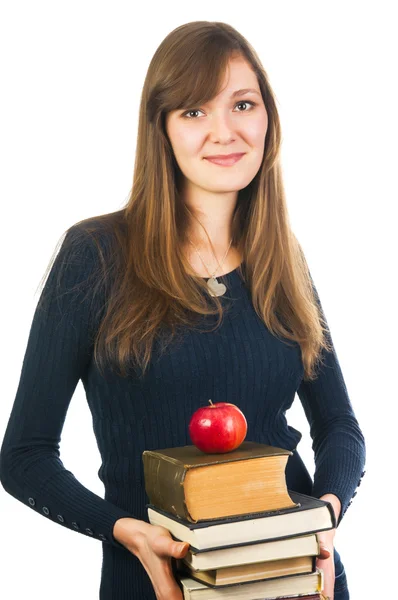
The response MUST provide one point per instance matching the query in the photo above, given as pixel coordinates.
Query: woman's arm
(57, 353)
(338, 442)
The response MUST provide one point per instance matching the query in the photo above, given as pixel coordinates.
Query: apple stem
(211, 403)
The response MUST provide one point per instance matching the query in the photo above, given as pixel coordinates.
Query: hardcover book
(310, 515)
(270, 551)
(250, 571)
(310, 583)
(195, 486)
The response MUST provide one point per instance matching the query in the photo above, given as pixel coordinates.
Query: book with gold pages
(310, 515)
(250, 571)
(195, 486)
(309, 583)
(292, 548)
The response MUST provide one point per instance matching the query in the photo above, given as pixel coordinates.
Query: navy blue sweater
(240, 362)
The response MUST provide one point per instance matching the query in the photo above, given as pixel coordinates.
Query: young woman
(196, 289)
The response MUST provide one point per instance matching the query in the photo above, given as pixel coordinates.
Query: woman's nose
(221, 127)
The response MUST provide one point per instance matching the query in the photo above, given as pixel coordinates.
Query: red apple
(220, 427)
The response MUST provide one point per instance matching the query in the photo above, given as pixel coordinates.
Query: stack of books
(250, 537)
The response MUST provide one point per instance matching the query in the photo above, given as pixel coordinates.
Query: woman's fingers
(327, 567)
(165, 586)
(155, 548)
(324, 552)
(161, 575)
(161, 548)
(325, 561)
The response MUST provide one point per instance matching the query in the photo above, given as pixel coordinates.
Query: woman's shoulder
(101, 238)
(101, 228)
(89, 247)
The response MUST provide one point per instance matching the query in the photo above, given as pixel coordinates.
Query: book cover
(196, 486)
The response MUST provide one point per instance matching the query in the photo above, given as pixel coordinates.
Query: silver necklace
(215, 287)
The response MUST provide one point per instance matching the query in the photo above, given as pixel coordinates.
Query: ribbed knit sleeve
(58, 351)
(338, 442)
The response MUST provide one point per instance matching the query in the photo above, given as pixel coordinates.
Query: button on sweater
(240, 362)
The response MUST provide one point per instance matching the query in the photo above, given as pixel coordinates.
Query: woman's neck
(231, 262)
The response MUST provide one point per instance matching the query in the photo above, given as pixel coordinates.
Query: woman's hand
(325, 561)
(154, 547)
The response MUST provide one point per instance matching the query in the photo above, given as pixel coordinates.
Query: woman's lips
(225, 162)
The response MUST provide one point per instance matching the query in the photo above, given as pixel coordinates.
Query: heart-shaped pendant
(216, 288)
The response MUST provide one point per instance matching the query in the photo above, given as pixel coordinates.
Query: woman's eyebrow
(244, 91)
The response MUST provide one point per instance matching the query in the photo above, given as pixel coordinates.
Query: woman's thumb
(179, 549)
(324, 551)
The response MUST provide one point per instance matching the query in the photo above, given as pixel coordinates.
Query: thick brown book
(195, 486)
(250, 571)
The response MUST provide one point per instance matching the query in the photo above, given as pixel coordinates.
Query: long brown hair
(153, 283)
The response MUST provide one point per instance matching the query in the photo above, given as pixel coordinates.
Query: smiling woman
(140, 318)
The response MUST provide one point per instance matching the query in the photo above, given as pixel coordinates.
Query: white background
(71, 77)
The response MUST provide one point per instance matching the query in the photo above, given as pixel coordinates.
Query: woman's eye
(195, 110)
(246, 102)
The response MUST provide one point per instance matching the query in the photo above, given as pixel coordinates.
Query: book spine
(332, 514)
(164, 485)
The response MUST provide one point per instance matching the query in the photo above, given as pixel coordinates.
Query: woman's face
(225, 125)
